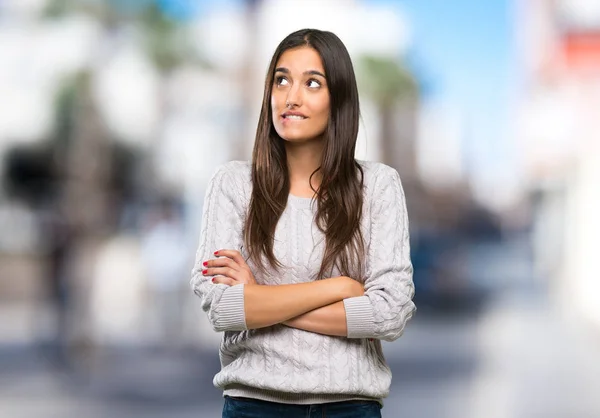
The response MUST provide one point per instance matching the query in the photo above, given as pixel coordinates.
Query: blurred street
(518, 357)
(115, 115)
(443, 368)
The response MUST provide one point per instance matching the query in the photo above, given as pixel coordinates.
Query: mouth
(293, 116)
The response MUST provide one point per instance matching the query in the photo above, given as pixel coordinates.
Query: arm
(242, 306)
(327, 320)
(222, 226)
(269, 305)
(387, 304)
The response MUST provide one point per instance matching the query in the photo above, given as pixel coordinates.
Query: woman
(304, 258)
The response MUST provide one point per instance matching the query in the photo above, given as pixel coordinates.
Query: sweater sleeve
(387, 304)
(221, 228)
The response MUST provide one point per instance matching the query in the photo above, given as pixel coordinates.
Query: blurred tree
(37, 174)
(56, 9)
(165, 40)
(168, 47)
(82, 170)
(76, 180)
(241, 150)
(394, 91)
(161, 36)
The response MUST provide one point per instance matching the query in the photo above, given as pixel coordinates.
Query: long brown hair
(339, 197)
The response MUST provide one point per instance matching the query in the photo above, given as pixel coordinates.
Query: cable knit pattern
(288, 365)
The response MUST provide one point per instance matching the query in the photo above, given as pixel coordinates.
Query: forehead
(301, 59)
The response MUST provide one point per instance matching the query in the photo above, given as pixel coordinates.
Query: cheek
(275, 109)
(324, 111)
(277, 100)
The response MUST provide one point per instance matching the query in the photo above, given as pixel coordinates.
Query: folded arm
(327, 320)
(386, 306)
(270, 305)
(333, 306)
(244, 306)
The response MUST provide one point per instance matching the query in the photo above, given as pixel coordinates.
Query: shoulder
(235, 173)
(383, 189)
(234, 169)
(378, 176)
(232, 180)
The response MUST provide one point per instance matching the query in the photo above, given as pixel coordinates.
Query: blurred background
(115, 113)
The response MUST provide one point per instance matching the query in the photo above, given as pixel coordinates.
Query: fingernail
(216, 252)
(205, 263)
(213, 280)
(204, 271)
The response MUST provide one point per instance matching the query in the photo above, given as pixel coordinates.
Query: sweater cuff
(359, 317)
(231, 315)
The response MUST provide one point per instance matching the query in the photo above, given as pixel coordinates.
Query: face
(300, 97)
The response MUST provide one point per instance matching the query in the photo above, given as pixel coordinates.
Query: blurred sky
(466, 51)
(462, 50)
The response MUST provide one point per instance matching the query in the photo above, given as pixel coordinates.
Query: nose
(294, 96)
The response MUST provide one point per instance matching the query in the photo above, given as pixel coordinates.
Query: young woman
(304, 257)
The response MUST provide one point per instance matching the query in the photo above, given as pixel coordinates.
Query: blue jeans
(254, 408)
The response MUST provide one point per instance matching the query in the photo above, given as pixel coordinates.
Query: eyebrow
(309, 72)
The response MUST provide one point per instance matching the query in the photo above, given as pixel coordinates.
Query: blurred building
(560, 133)
(128, 107)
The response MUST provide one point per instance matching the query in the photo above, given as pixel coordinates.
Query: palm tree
(394, 91)
(85, 154)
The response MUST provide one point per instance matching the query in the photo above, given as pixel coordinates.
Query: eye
(281, 81)
(313, 84)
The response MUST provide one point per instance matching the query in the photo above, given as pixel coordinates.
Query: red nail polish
(216, 253)
(205, 263)
(204, 271)
(213, 280)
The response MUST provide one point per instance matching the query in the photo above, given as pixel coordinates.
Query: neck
(303, 159)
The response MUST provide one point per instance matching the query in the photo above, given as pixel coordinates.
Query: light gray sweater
(283, 364)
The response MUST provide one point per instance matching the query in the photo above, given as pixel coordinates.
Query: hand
(230, 268)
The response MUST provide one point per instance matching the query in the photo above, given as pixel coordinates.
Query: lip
(284, 115)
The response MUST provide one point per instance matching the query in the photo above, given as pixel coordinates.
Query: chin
(297, 136)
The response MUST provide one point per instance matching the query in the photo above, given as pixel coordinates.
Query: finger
(224, 280)
(234, 255)
(223, 271)
(222, 262)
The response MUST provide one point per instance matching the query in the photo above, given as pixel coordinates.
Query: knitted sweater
(288, 365)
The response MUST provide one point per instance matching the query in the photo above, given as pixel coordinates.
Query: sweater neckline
(300, 202)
